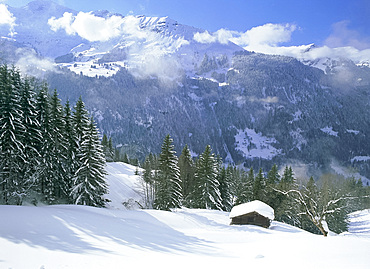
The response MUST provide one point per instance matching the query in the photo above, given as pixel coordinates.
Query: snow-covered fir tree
(70, 147)
(46, 182)
(288, 208)
(224, 180)
(108, 148)
(33, 139)
(273, 178)
(186, 166)
(39, 145)
(206, 193)
(12, 132)
(89, 184)
(168, 185)
(244, 187)
(57, 149)
(259, 185)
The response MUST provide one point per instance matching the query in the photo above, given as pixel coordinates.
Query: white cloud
(224, 36)
(31, 64)
(64, 22)
(342, 36)
(205, 37)
(149, 53)
(88, 26)
(7, 18)
(267, 34)
(267, 39)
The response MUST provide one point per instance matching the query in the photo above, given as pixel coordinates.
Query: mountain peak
(41, 5)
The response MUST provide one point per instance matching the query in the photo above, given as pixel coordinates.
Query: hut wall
(251, 218)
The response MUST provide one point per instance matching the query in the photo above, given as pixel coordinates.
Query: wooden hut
(255, 213)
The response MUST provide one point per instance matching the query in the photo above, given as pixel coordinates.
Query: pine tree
(58, 149)
(125, 158)
(12, 157)
(107, 148)
(80, 120)
(206, 192)
(80, 123)
(45, 185)
(242, 190)
(89, 184)
(32, 139)
(70, 147)
(288, 208)
(224, 181)
(168, 187)
(259, 187)
(186, 166)
(245, 187)
(272, 180)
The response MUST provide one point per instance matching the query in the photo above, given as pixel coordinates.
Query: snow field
(70, 236)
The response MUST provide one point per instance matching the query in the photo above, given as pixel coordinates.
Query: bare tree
(319, 204)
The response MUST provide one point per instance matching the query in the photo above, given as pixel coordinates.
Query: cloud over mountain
(88, 26)
(7, 19)
(268, 39)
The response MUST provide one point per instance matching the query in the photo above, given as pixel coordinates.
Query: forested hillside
(48, 153)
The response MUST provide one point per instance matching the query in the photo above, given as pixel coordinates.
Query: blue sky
(324, 22)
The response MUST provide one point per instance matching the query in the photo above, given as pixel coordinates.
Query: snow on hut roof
(254, 206)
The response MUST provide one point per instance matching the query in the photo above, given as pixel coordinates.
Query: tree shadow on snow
(79, 229)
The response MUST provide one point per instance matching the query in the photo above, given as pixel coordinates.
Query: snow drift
(69, 236)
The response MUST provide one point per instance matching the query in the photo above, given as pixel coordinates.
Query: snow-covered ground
(255, 145)
(69, 236)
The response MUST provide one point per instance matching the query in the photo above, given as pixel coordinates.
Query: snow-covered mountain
(72, 236)
(144, 77)
(75, 41)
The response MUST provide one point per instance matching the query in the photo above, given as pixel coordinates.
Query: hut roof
(253, 206)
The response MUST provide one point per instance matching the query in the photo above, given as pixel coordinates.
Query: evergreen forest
(52, 153)
(49, 153)
(204, 182)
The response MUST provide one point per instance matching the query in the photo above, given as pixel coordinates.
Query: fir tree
(32, 139)
(107, 148)
(125, 158)
(288, 208)
(186, 166)
(80, 120)
(224, 181)
(58, 149)
(12, 132)
(89, 184)
(259, 187)
(206, 193)
(272, 180)
(45, 184)
(168, 186)
(243, 189)
(70, 147)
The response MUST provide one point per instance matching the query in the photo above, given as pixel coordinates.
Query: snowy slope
(69, 236)
(123, 184)
(360, 223)
(83, 237)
